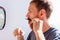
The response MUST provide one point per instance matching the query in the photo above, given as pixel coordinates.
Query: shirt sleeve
(57, 37)
(54, 35)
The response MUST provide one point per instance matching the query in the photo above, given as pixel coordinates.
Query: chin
(30, 24)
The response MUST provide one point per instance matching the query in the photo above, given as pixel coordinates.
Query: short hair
(42, 4)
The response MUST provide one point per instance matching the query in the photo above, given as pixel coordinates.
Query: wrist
(39, 32)
(39, 35)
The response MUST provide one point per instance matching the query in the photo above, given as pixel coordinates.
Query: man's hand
(19, 33)
(37, 25)
(37, 28)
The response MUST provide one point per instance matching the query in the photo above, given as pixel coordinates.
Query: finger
(34, 23)
(35, 19)
(20, 31)
(37, 23)
(15, 32)
(20, 37)
(41, 24)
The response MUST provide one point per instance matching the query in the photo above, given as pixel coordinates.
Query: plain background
(16, 11)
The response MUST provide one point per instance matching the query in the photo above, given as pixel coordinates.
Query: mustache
(28, 19)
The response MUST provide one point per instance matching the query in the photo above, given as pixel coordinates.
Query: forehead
(32, 6)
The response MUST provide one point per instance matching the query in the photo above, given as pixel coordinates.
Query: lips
(29, 20)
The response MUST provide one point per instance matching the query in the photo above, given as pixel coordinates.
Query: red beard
(31, 24)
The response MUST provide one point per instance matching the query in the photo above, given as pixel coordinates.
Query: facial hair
(30, 23)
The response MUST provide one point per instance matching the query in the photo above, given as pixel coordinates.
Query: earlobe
(42, 14)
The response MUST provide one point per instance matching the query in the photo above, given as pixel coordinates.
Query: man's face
(32, 13)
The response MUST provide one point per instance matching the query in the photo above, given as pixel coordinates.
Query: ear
(42, 14)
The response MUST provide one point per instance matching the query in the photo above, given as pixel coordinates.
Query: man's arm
(37, 28)
(39, 36)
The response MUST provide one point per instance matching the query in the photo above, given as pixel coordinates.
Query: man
(38, 14)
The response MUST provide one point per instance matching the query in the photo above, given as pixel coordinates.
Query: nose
(27, 15)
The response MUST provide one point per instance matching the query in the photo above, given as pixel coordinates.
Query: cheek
(33, 15)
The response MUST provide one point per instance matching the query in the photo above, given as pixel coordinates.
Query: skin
(38, 23)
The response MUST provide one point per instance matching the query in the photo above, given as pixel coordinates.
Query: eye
(29, 11)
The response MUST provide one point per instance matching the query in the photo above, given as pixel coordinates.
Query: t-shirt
(51, 34)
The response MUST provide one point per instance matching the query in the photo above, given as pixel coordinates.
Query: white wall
(55, 17)
(15, 17)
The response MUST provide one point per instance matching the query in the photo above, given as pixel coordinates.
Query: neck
(46, 27)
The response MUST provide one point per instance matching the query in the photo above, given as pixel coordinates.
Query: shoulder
(29, 36)
(54, 34)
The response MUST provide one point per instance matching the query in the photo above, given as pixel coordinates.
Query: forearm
(39, 36)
